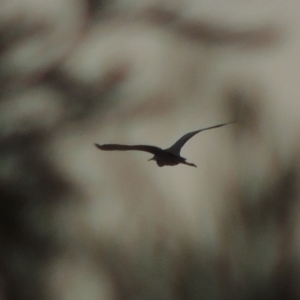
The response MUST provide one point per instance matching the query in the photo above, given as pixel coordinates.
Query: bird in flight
(163, 157)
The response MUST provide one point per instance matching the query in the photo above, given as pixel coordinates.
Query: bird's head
(158, 161)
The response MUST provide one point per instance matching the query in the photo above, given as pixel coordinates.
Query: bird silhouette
(163, 157)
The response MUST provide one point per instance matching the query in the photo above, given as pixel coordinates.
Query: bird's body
(163, 157)
(167, 158)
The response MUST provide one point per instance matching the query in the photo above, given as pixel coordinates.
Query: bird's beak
(152, 158)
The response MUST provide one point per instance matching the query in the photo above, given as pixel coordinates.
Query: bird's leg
(189, 164)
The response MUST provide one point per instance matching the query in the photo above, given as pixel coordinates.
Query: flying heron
(163, 157)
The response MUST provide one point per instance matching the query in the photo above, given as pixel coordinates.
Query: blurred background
(77, 223)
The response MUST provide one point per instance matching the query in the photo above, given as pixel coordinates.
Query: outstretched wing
(175, 149)
(146, 148)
